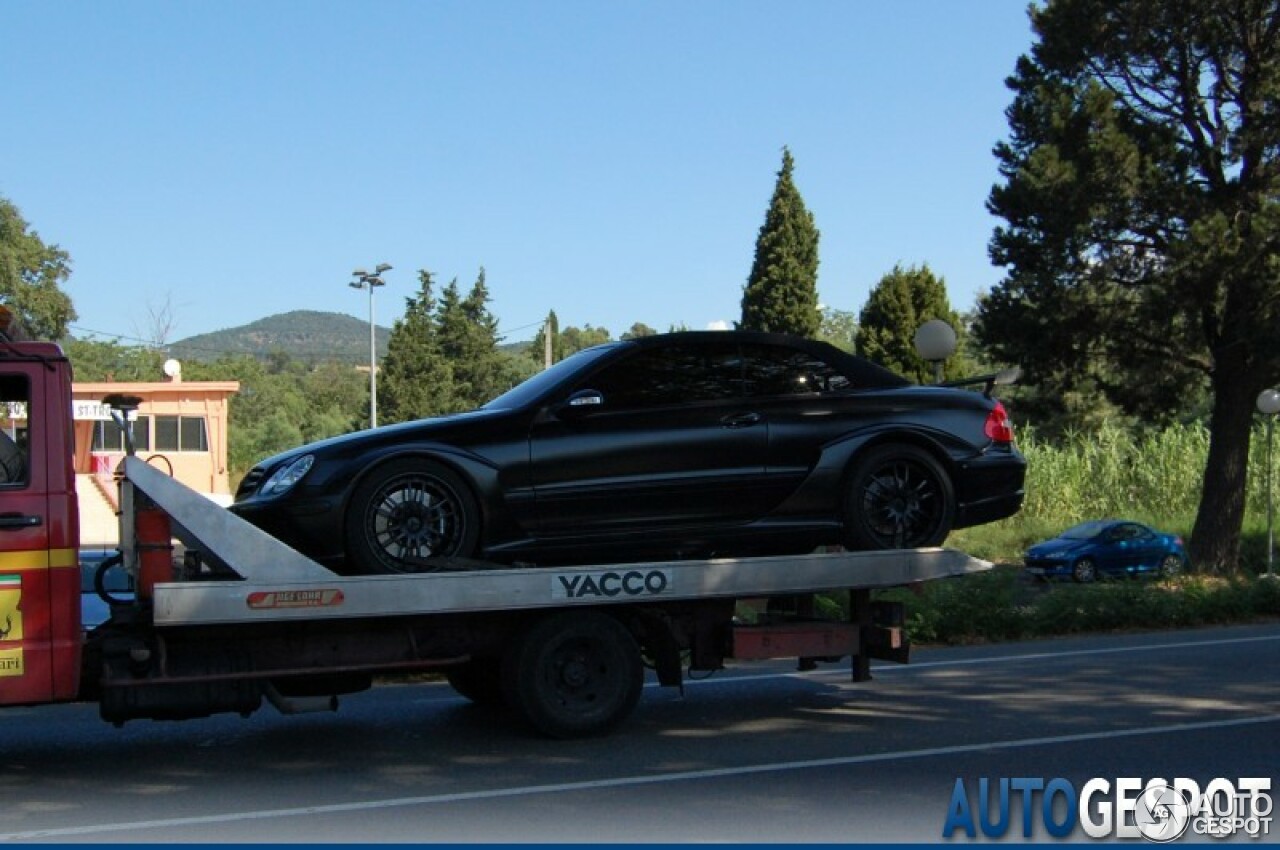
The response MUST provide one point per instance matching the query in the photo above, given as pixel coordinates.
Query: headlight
(286, 476)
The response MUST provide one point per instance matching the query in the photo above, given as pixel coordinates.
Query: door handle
(740, 420)
(20, 520)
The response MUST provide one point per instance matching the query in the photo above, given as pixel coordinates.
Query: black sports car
(672, 446)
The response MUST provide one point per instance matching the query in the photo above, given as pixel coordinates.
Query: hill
(308, 335)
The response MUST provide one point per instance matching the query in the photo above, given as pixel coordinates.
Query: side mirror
(582, 403)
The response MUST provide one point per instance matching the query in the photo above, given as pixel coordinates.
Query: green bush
(1001, 604)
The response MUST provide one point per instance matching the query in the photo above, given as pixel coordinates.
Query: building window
(181, 434)
(107, 436)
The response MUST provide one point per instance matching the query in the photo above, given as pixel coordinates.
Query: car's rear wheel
(408, 512)
(1084, 570)
(1170, 566)
(899, 497)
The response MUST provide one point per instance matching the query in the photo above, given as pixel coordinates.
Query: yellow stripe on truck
(38, 559)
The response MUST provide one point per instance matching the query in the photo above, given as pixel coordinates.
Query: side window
(181, 434)
(107, 436)
(671, 375)
(15, 393)
(774, 370)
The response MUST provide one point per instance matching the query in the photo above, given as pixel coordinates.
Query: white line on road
(627, 781)
(994, 659)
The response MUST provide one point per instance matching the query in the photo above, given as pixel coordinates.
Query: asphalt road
(756, 753)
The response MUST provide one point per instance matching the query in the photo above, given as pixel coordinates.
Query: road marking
(630, 781)
(995, 659)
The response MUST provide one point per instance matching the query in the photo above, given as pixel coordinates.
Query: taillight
(998, 426)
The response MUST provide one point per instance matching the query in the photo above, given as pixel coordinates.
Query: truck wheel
(408, 511)
(899, 497)
(574, 675)
(479, 680)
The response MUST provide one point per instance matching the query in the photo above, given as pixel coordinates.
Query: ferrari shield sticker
(10, 613)
(10, 625)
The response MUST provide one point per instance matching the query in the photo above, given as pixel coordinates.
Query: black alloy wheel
(408, 512)
(900, 497)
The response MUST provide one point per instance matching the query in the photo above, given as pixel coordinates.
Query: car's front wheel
(899, 497)
(408, 512)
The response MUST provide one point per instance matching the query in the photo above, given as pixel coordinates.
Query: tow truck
(225, 617)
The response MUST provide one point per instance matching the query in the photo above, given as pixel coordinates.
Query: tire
(479, 680)
(1170, 566)
(408, 511)
(1084, 571)
(574, 675)
(899, 497)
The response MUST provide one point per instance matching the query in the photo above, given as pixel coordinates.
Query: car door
(658, 438)
(1148, 551)
(26, 663)
(1122, 551)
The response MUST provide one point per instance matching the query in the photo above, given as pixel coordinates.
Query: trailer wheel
(407, 512)
(899, 497)
(479, 680)
(573, 675)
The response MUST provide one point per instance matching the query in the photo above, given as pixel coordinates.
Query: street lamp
(362, 280)
(935, 342)
(1269, 406)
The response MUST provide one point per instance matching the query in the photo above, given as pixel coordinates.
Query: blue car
(1107, 547)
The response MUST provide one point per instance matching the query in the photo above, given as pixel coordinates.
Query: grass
(1004, 605)
(1151, 476)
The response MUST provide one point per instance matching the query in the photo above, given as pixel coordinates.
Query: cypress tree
(781, 294)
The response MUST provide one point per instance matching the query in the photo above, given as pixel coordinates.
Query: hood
(438, 428)
(1057, 544)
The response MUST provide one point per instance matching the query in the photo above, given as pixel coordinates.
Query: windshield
(1083, 531)
(533, 389)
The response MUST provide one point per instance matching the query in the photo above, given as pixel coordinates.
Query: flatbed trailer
(244, 617)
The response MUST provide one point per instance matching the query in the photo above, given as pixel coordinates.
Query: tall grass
(1151, 474)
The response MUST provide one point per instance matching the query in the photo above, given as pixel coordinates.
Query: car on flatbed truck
(673, 446)
(241, 618)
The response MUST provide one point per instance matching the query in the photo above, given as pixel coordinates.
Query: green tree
(781, 294)
(416, 378)
(567, 341)
(839, 327)
(98, 360)
(638, 330)
(898, 305)
(468, 338)
(30, 275)
(1141, 191)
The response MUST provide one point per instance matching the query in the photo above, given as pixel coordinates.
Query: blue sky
(611, 161)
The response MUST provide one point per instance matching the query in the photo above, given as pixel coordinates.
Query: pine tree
(898, 305)
(468, 336)
(416, 379)
(781, 294)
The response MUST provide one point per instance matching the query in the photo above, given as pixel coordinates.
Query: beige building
(180, 428)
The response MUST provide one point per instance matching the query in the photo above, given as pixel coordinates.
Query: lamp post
(935, 342)
(362, 280)
(1269, 406)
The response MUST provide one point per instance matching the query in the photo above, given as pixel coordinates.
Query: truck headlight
(286, 476)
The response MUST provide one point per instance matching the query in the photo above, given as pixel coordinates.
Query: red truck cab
(40, 634)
